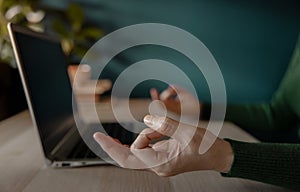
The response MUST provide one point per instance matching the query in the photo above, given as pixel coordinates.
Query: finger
(154, 94)
(177, 88)
(105, 84)
(118, 152)
(168, 94)
(179, 131)
(161, 145)
(145, 137)
(114, 149)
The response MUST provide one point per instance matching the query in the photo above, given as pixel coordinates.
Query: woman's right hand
(170, 156)
(175, 97)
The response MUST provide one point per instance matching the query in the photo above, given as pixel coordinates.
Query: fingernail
(148, 120)
(153, 121)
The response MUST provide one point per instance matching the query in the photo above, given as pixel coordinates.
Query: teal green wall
(252, 41)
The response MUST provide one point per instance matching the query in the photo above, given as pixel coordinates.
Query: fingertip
(103, 140)
(154, 94)
(148, 120)
(153, 121)
(98, 136)
(168, 93)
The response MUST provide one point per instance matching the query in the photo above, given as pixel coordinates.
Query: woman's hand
(175, 97)
(178, 154)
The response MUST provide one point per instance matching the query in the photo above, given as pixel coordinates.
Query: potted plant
(12, 97)
(68, 24)
(75, 33)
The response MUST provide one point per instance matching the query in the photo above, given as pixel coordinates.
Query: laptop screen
(44, 68)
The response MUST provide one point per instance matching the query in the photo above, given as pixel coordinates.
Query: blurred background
(252, 41)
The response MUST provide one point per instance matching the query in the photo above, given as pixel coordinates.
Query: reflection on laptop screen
(49, 88)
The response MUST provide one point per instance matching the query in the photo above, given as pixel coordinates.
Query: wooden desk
(22, 168)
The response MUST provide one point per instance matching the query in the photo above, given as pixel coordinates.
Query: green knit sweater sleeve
(272, 163)
(262, 118)
(277, 164)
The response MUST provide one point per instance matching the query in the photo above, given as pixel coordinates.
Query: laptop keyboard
(81, 151)
(115, 130)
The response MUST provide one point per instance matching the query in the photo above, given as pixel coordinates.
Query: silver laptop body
(43, 70)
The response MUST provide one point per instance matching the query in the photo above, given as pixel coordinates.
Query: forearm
(263, 118)
(277, 164)
(249, 117)
(256, 117)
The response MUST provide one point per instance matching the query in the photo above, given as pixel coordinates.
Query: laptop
(43, 69)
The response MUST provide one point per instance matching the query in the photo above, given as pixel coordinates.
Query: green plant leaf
(92, 32)
(67, 45)
(20, 18)
(75, 15)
